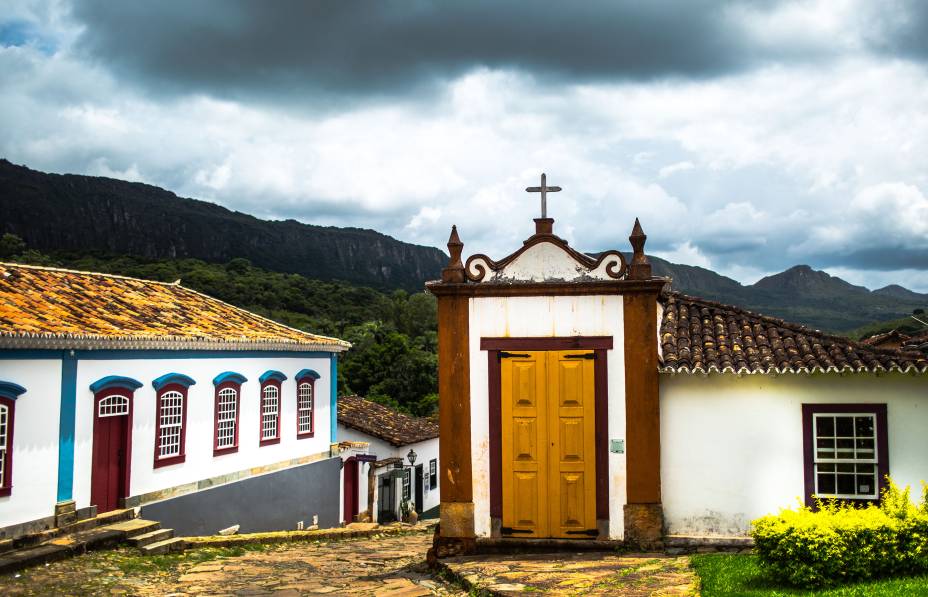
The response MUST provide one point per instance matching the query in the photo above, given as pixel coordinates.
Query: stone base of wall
(448, 547)
(15, 531)
(276, 501)
(644, 526)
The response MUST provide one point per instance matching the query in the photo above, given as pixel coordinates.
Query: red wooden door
(351, 489)
(110, 476)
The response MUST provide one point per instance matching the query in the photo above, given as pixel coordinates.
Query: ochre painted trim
(607, 287)
(642, 403)
(548, 343)
(454, 409)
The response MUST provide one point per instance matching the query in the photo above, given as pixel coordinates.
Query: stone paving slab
(584, 573)
(382, 565)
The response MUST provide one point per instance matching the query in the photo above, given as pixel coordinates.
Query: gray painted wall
(271, 502)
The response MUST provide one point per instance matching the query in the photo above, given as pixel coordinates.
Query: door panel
(548, 445)
(524, 437)
(572, 463)
(110, 456)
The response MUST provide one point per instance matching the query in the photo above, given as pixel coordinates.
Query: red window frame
(312, 409)
(7, 487)
(271, 440)
(226, 385)
(808, 445)
(182, 455)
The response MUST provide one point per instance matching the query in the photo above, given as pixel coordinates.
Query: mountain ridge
(77, 213)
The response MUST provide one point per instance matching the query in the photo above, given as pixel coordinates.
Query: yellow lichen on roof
(48, 302)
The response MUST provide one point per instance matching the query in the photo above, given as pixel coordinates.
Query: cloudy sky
(748, 137)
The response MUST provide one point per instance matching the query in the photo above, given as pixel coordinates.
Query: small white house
(117, 392)
(401, 464)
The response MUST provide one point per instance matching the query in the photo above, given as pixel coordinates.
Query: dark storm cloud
(901, 29)
(393, 46)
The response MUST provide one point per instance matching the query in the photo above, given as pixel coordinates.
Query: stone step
(167, 546)
(151, 537)
(33, 556)
(114, 516)
(135, 527)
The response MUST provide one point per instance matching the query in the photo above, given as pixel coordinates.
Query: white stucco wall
(200, 462)
(731, 448)
(555, 316)
(425, 451)
(35, 440)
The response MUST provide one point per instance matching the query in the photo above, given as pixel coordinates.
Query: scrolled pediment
(546, 258)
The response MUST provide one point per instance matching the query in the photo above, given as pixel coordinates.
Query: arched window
(306, 403)
(171, 418)
(270, 413)
(113, 406)
(226, 412)
(304, 409)
(9, 392)
(270, 407)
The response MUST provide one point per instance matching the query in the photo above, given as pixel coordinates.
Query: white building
(401, 463)
(582, 400)
(117, 392)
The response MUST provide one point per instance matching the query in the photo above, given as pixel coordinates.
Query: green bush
(837, 542)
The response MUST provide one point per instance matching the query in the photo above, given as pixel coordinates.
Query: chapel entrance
(111, 430)
(548, 444)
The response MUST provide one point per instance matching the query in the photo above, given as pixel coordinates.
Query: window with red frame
(846, 451)
(171, 418)
(226, 418)
(7, 410)
(305, 408)
(9, 392)
(270, 412)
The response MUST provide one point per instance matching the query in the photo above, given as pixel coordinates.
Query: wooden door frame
(600, 345)
(127, 473)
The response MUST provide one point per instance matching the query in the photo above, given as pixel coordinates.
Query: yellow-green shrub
(837, 542)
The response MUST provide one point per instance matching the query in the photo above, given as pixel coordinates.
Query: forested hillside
(393, 359)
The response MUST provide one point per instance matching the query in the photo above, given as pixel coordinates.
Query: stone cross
(544, 189)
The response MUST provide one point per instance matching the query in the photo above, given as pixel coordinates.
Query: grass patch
(729, 575)
(130, 562)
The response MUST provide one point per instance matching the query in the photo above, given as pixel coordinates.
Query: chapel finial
(640, 267)
(454, 271)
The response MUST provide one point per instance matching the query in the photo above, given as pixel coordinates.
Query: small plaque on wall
(617, 446)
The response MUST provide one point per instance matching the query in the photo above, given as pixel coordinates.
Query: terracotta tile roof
(384, 422)
(43, 307)
(701, 336)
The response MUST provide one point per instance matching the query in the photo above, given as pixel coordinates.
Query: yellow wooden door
(548, 443)
(572, 449)
(525, 437)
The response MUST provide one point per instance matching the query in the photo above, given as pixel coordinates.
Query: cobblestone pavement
(576, 574)
(387, 566)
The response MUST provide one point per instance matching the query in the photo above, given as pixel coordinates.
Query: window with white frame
(846, 455)
(4, 442)
(226, 418)
(406, 482)
(304, 408)
(270, 412)
(433, 473)
(170, 424)
(113, 406)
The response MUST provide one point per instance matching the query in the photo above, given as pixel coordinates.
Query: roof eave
(56, 342)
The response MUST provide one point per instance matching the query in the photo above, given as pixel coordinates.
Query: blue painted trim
(229, 376)
(100, 355)
(11, 390)
(333, 400)
(306, 373)
(66, 420)
(114, 381)
(272, 374)
(178, 378)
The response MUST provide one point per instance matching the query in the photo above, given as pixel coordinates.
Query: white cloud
(672, 169)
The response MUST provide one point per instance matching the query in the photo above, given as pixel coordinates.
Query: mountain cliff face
(53, 212)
